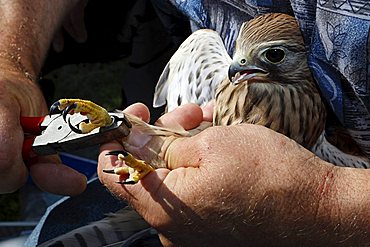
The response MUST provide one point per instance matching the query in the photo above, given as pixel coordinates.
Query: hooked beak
(239, 73)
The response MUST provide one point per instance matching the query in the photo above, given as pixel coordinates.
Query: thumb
(50, 175)
(181, 152)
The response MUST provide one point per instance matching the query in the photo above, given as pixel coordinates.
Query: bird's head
(269, 48)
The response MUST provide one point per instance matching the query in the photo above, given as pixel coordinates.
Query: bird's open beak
(239, 73)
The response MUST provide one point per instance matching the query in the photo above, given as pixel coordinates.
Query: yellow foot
(136, 169)
(97, 115)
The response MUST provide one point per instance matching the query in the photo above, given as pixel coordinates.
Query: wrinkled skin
(24, 42)
(48, 172)
(245, 184)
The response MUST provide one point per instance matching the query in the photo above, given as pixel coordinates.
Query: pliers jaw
(58, 136)
(55, 109)
(94, 125)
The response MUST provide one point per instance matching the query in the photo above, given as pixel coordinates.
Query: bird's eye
(275, 55)
(242, 61)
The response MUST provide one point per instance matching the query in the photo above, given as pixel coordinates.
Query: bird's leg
(97, 115)
(136, 169)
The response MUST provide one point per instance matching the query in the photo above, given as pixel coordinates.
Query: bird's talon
(126, 182)
(118, 170)
(117, 153)
(73, 128)
(54, 108)
(97, 115)
(137, 169)
(69, 110)
(110, 171)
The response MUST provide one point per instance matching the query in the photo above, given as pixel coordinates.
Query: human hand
(25, 40)
(242, 185)
(22, 97)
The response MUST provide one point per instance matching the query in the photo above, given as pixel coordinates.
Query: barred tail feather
(113, 230)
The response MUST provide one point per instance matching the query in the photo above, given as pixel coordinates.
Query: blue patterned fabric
(336, 33)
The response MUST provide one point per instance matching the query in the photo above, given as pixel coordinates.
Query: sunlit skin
(278, 194)
(24, 41)
(294, 198)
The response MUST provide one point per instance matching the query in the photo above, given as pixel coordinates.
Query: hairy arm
(27, 28)
(247, 184)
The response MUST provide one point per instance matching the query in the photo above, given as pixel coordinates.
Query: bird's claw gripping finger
(97, 115)
(136, 169)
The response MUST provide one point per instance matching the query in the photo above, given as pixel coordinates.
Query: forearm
(27, 28)
(280, 195)
(318, 205)
(345, 204)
